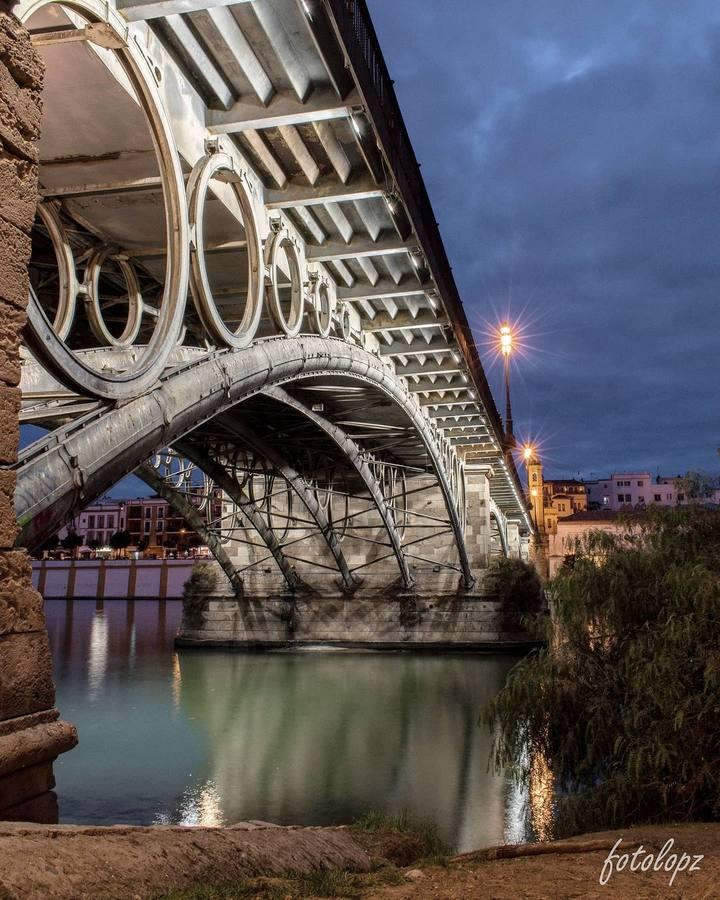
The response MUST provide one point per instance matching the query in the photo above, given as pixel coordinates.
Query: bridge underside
(228, 196)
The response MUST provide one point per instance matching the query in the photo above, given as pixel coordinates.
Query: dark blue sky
(571, 149)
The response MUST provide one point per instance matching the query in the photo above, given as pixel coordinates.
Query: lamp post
(506, 346)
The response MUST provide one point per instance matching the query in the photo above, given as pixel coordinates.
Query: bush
(623, 704)
(517, 585)
(202, 582)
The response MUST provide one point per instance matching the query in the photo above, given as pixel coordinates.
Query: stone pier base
(30, 734)
(381, 623)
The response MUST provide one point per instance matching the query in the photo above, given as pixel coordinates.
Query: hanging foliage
(623, 702)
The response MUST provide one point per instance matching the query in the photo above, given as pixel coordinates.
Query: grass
(427, 834)
(398, 839)
(318, 883)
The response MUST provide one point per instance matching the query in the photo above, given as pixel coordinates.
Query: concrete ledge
(488, 645)
(68, 862)
(38, 744)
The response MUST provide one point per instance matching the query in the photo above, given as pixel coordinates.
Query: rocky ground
(255, 860)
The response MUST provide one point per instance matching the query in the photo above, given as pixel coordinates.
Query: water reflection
(216, 737)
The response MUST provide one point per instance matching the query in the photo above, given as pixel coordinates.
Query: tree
(71, 542)
(622, 702)
(94, 544)
(48, 546)
(120, 540)
(695, 485)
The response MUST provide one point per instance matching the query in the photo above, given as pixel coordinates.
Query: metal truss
(178, 500)
(498, 530)
(357, 458)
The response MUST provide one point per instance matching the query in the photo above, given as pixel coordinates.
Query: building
(155, 529)
(639, 489)
(552, 499)
(571, 529)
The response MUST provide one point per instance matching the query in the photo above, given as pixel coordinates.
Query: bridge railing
(355, 26)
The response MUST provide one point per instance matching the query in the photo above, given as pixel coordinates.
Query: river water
(215, 737)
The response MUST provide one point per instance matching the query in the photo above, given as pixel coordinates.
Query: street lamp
(506, 346)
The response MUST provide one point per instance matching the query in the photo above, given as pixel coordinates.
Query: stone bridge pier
(435, 609)
(31, 735)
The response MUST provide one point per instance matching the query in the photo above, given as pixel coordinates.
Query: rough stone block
(18, 189)
(21, 607)
(8, 524)
(10, 430)
(42, 810)
(20, 113)
(13, 271)
(21, 786)
(18, 54)
(11, 324)
(26, 683)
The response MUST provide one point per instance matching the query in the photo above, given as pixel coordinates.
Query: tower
(534, 470)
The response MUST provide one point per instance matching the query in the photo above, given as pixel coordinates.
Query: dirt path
(125, 863)
(575, 875)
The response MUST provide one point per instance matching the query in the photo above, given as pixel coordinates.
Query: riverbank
(254, 859)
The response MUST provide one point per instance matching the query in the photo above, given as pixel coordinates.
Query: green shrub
(202, 582)
(517, 586)
(623, 704)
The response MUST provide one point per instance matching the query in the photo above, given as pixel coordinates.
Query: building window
(681, 497)
(641, 483)
(641, 500)
(147, 512)
(606, 501)
(658, 498)
(91, 521)
(147, 527)
(101, 521)
(160, 526)
(111, 522)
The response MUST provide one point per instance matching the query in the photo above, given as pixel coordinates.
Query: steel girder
(82, 460)
(355, 455)
(183, 507)
(224, 480)
(298, 484)
(501, 522)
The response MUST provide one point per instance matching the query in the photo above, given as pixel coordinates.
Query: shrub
(202, 582)
(624, 703)
(517, 585)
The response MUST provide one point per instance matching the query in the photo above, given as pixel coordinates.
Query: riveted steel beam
(301, 488)
(183, 507)
(88, 456)
(355, 455)
(225, 481)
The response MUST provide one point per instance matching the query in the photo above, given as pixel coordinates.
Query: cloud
(572, 153)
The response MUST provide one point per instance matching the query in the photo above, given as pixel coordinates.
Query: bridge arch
(82, 460)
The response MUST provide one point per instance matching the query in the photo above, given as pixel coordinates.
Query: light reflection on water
(201, 737)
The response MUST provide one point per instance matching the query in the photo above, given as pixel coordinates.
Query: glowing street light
(506, 346)
(528, 452)
(506, 340)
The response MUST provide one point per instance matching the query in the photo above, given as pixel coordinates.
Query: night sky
(571, 149)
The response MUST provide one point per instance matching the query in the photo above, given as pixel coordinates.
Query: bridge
(237, 281)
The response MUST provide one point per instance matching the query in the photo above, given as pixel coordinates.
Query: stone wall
(30, 734)
(404, 622)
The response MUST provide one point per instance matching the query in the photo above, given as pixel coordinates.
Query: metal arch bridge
(235, 257)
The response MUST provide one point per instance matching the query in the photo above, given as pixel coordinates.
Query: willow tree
(623, 701)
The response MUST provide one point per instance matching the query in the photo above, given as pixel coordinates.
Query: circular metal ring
(292, 324)
(91, 284)
(205, 170)
(67, 275)
(47, 344)
(322, 307)
(344, 318)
